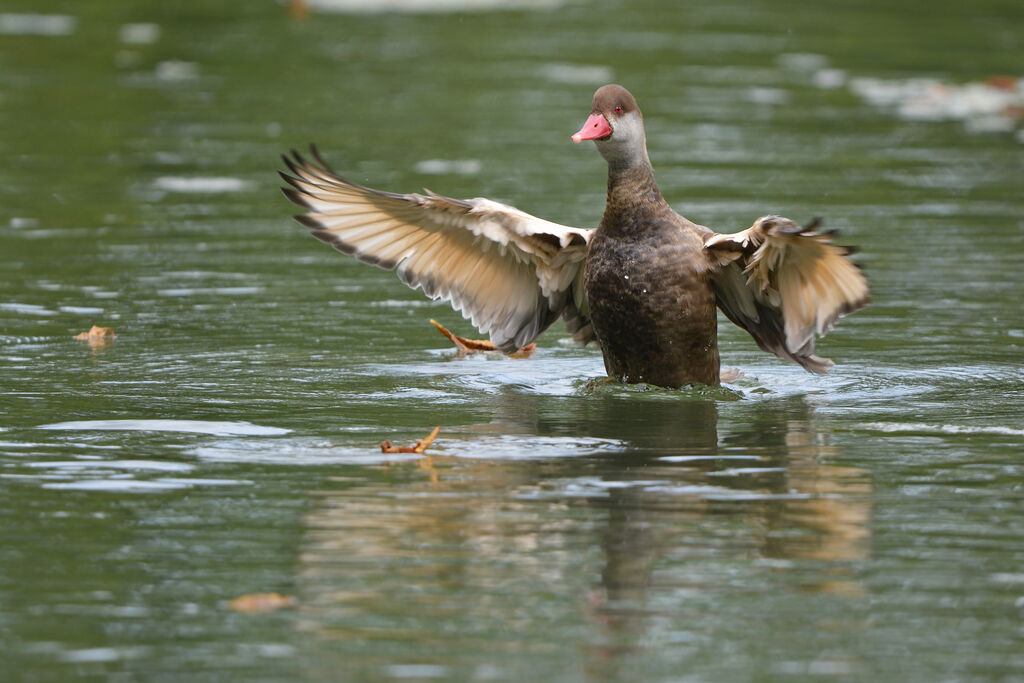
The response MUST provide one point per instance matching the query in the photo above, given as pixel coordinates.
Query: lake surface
(866, 525)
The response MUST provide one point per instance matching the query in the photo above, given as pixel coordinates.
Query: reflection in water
(791, 506)
(651, 536)
(637, 535)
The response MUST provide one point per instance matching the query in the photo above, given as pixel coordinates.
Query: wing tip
(295, 197)
(309, 220)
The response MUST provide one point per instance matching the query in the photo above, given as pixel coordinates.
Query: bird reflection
(783, 498)
(665, 491)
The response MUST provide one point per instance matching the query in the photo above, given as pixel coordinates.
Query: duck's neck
(633, 198)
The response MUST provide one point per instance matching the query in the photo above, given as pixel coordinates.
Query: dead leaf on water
(299, 9)
(466, 346)
(421, 445)
(97, 336)
(255, 603)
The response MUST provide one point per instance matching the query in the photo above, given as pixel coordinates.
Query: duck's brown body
(651, 301)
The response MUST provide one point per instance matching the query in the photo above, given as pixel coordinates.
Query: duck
(644, 285)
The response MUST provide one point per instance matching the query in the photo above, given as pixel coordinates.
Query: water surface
(866, 525)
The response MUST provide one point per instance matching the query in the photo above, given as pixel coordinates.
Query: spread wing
(508, 272)
(784, 283)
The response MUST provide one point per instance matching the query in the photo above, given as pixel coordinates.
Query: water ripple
(187, 426)
(922, 428)
(528, 447)
(297, 452)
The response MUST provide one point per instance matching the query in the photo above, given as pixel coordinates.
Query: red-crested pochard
(644, 284)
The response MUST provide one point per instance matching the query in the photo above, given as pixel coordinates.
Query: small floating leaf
(255, 603)
(298, 9)
(97, 336)
(421, 445)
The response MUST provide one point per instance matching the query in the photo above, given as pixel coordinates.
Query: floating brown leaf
(298, 9)
(466, 346)
(254, 603)
(421, 445)
(97, 336)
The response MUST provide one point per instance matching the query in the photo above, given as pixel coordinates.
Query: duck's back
(651, 302)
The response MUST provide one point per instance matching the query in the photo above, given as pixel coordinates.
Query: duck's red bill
(595, 128)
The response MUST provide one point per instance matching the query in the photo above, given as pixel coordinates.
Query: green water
(867, 525)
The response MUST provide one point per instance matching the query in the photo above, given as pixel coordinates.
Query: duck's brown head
(616, 125)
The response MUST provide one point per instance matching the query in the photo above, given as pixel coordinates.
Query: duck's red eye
(618, 110)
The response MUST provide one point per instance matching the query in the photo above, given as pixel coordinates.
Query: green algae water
(866, 525)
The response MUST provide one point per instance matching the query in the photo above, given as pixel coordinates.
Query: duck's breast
(652, 306)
